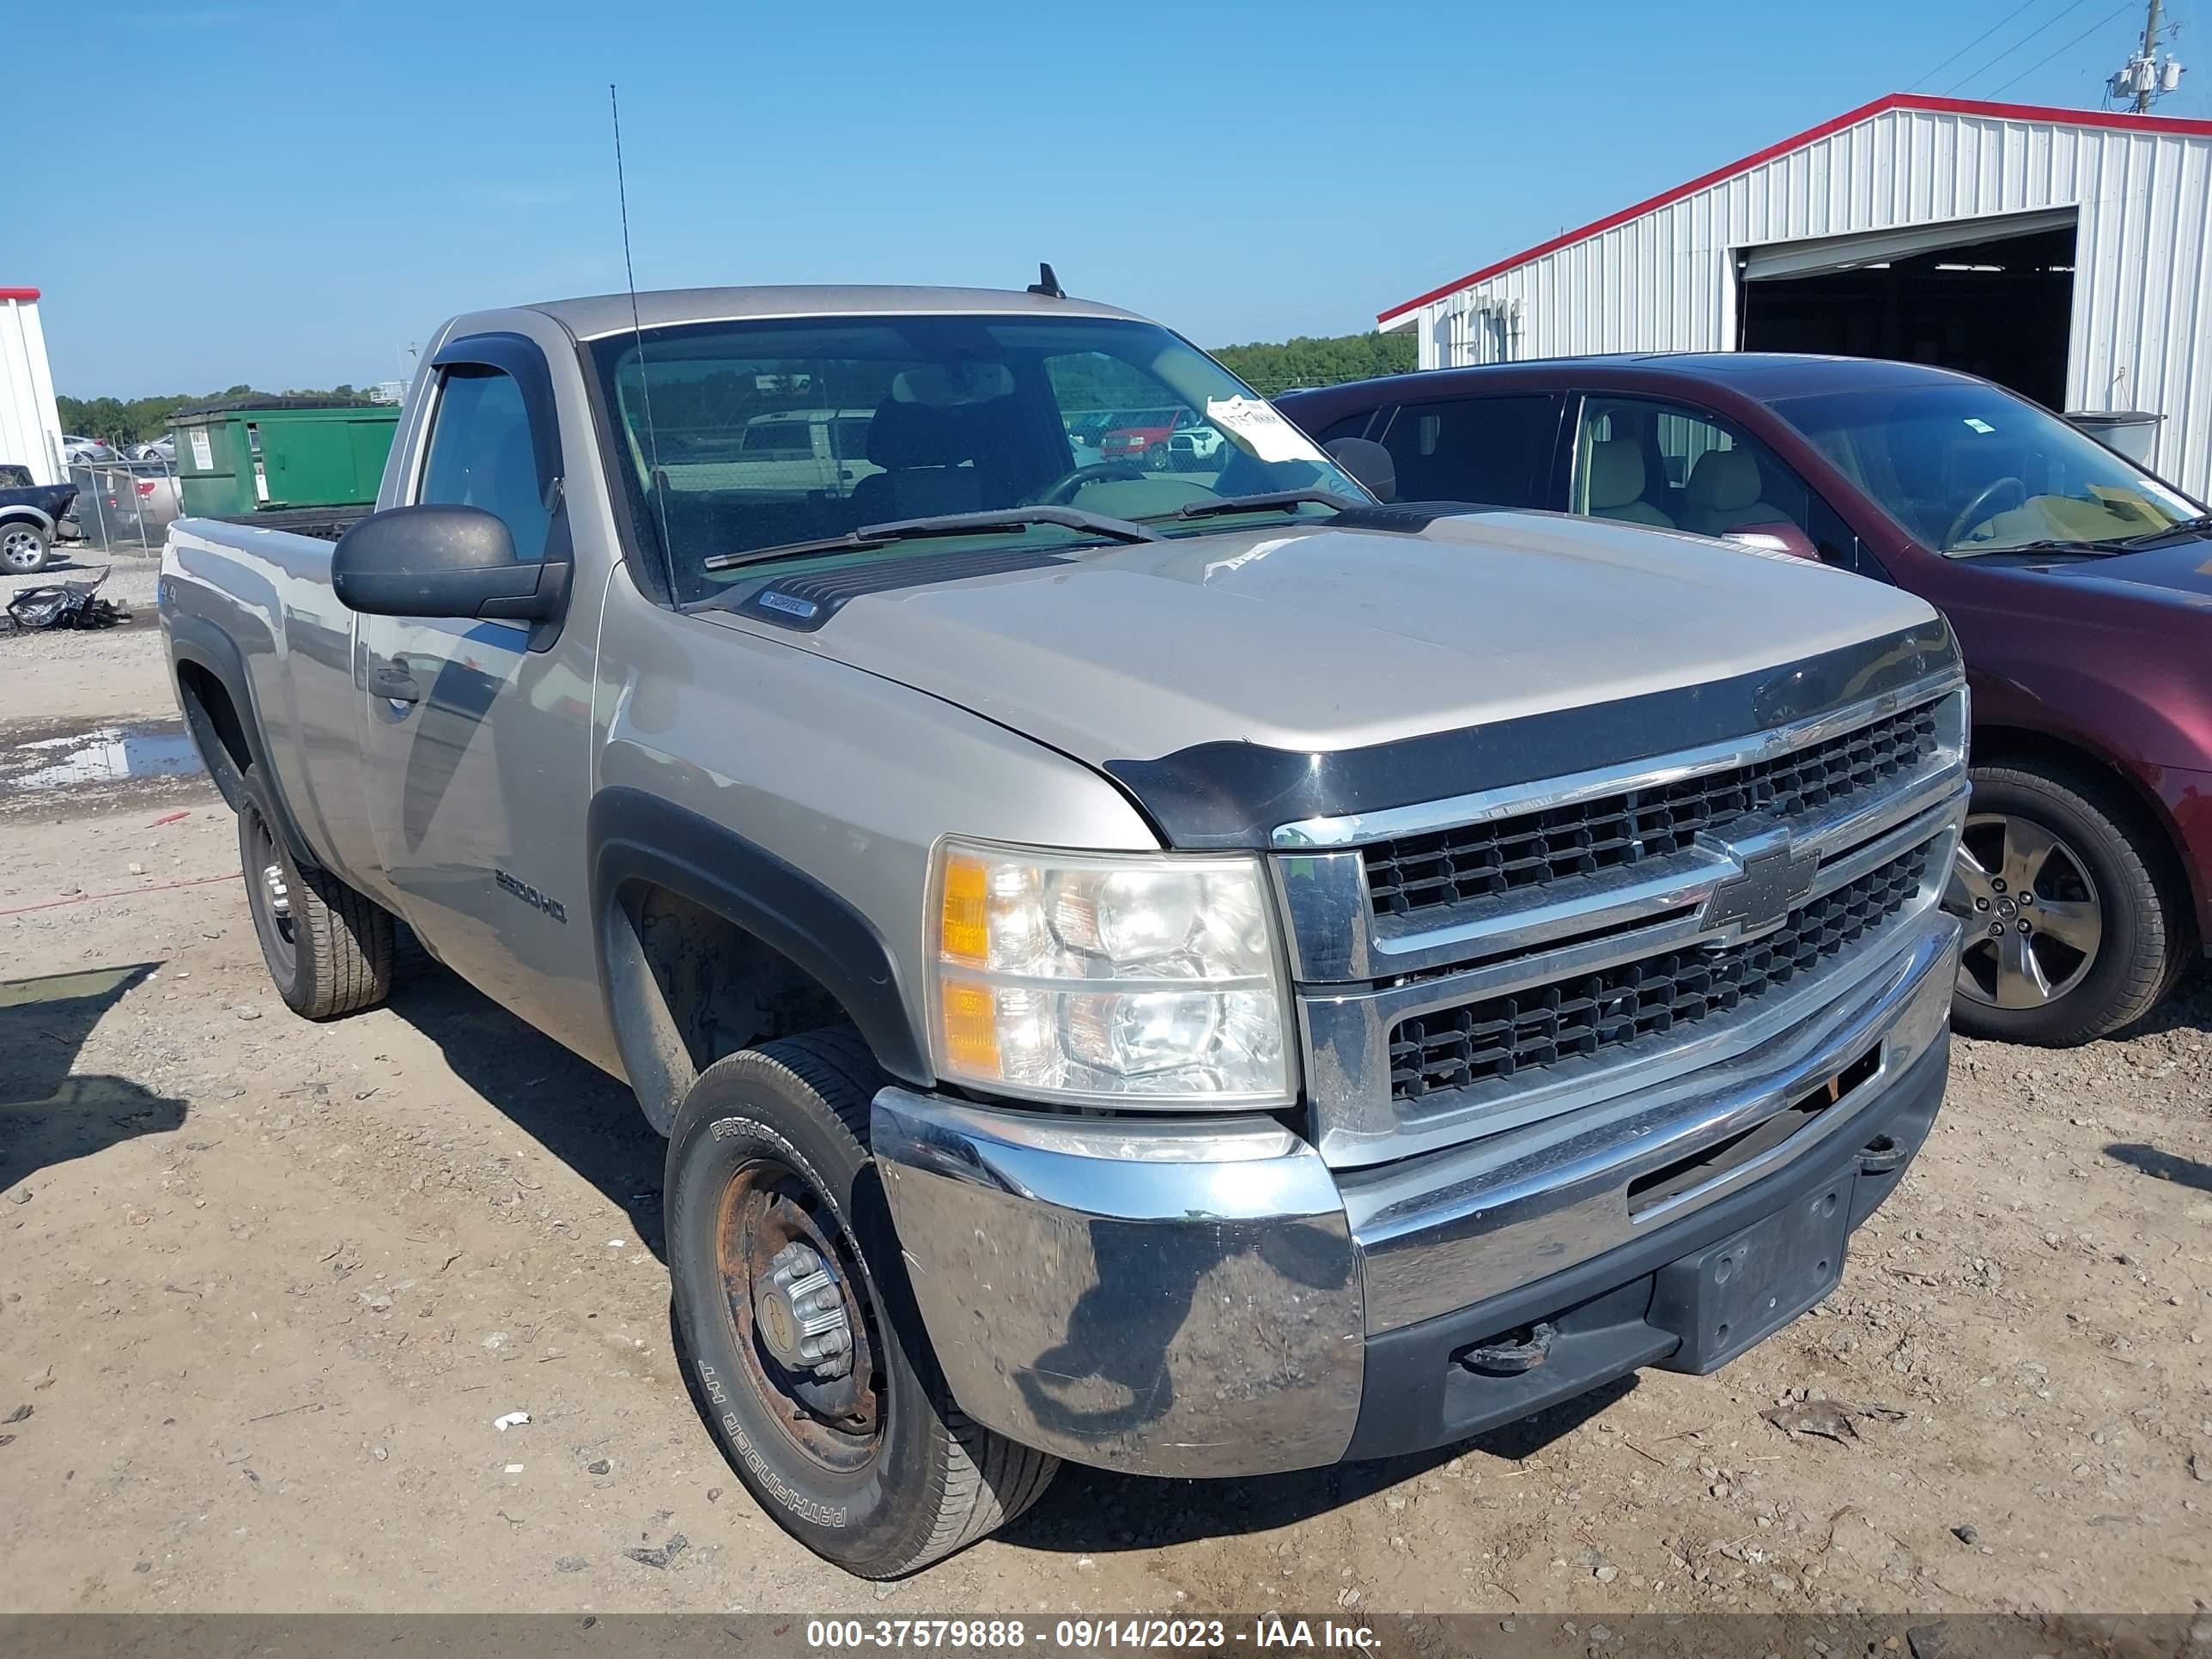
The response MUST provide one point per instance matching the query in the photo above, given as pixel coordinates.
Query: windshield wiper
(2099, 548)
(1008, 519)
(2195, 526)
(1272, 498)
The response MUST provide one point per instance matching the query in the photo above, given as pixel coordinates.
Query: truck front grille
(1470, 861)
(1603, 1013)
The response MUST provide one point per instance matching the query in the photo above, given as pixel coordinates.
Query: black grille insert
(1594, 1013)
(1451, 866)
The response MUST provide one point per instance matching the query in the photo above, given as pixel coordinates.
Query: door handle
(391, 679)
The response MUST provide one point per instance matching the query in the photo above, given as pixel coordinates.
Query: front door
(477, 746)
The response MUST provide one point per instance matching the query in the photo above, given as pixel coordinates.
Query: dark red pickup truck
(2079, 585)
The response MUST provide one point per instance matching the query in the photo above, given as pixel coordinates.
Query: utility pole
(2147, 75)
(2143, 94)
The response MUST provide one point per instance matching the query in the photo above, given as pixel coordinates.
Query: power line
(1971, 45)
(2071, 5)
(2125, 7)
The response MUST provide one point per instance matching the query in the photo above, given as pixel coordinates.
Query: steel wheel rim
(2035, 923)
(20, 551)
(272, 898)
(834, 1422)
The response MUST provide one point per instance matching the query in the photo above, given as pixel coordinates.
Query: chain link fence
(125, 506)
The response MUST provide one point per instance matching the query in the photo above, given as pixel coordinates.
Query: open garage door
(1992, 296)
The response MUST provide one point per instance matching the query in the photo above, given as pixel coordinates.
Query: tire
(922, 1479)
(329, 948)
(1156, 459)
(24, 547)
(2104, 865)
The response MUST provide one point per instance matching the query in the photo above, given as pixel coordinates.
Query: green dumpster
(269, 455)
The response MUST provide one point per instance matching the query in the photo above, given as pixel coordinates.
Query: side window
(1671, 465)
(1352, 426)
(1492, 450)
(480, 454)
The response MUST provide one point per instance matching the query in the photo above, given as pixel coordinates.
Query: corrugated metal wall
(1665, 281)
(29, 429)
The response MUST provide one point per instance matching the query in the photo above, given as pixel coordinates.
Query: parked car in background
(32, 517)
(1142, 437)
(1199, 447)
(2078, 584)
(163, 448)
(77, 451)
(1154, 972)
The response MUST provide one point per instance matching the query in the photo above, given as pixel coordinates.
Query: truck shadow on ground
(48, 1115)
(592, 1123)
(1091, 1512)
(571, 1107)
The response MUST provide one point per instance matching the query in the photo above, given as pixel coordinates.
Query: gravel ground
(264, 1287)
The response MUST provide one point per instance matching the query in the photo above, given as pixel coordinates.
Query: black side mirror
(1369, 463)
(435, 560)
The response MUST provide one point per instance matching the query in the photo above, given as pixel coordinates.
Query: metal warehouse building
(30, 431)
(2066, 253)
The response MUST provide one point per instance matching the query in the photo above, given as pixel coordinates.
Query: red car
(2080, 586)
(1143, 438)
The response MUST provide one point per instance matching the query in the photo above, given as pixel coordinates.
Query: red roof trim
(2126, 121)
(27, 295)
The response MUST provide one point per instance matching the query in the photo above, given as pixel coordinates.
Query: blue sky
(288, 195)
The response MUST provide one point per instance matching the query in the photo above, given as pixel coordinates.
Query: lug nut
(1997, 930)
(2027, 898)
(2022, 924)
(1981, 904)
(1997, 884)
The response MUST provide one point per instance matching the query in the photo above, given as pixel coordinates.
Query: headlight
(1116, 980)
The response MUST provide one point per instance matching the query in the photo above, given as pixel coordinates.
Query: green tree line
(1268, 368)
(1310, 361)
(137, 420)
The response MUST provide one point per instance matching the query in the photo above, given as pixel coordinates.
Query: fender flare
(198, 640)
(37, 515)
(637, 839)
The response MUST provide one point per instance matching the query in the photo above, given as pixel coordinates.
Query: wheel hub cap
(802, 1313)
(2033, 916)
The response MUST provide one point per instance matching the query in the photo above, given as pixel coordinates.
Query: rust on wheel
(806, 1333)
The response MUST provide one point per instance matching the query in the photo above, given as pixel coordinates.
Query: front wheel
(806, 1354)
(2070, 934)
(1157, 458)
(23, 548)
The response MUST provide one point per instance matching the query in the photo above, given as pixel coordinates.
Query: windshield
(768, 432)
(1970, 469)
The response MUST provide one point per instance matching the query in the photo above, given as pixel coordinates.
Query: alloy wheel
(23, 552)
(2035, 921)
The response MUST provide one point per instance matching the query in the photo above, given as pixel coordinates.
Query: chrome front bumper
(1200, 1296)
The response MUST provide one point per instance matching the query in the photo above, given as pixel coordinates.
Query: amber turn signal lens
(965, 933)
(971, 1028)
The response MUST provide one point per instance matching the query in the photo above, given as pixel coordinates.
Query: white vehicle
(79, 451)
(797, 452)
(1200, 448)
(163, 448)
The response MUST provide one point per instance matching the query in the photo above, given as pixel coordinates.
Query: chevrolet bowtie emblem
(1759, 897)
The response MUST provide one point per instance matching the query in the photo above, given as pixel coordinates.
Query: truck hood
(1315, 638)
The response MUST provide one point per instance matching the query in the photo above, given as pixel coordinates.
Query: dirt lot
(264, 1288)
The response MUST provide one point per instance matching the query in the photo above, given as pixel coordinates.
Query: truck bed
(324, 524)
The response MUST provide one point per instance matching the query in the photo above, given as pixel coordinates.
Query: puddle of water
(108, 754)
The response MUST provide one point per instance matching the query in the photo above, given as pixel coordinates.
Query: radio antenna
(637, 332)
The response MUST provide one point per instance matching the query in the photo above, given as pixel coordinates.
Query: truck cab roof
(595, 316)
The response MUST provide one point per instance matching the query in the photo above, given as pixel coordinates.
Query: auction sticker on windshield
(1258, 429)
